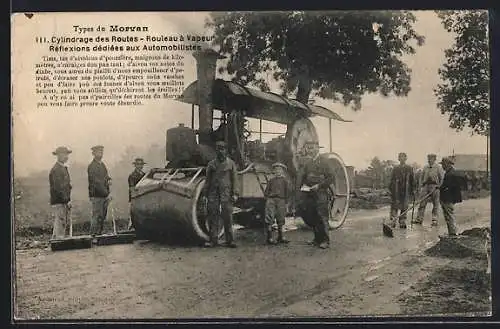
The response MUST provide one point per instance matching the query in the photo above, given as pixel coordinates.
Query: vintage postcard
(264, 165)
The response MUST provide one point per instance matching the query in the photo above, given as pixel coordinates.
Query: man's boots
(280, 236)
(270, 239)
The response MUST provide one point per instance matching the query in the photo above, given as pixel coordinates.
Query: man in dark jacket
(133, 179)
(313, 181)
(60, 193)
(220, 188)
(99, 185)
(401, 186)
(450, 194)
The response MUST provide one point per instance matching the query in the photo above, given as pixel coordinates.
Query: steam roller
(169, 202)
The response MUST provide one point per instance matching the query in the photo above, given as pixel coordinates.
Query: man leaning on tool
(60, 192)
(133, 179)
(99, 184)
(450, 194)
(430, 182)
(220, 189)
(313, 181)
(402, 187)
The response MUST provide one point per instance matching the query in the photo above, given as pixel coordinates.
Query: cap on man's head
(431, 156)
(97, 148)
(279, 165)
(62, 150)
(402, 154)
(311, 143)
(139, 161)
(447, 160)
(220, 143)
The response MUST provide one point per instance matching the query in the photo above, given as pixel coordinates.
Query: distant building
(475, 168)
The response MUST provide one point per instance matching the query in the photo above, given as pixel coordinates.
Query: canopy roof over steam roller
(228, 96)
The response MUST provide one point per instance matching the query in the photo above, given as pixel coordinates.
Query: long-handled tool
(387, 229)
(71, 242)
(115, 237)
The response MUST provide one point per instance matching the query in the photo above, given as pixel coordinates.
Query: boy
(402, 187)
(276, 193)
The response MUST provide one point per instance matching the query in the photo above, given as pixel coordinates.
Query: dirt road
(363, 273)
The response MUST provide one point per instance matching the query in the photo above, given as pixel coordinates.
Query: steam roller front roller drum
(168, 212)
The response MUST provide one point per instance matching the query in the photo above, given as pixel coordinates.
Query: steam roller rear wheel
(339, 192)
(200, 214)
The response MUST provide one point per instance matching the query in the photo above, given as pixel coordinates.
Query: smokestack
(206, 64)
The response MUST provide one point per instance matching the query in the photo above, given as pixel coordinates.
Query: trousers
(449, 217)
(61, 215)
(314, 210)
(275, 211)
(99, 214)
(220, 209)
(434, 198)
(396, 209)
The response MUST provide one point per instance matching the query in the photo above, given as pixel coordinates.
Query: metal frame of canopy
(228, 95)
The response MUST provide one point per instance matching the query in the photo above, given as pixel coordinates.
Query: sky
(383, 127)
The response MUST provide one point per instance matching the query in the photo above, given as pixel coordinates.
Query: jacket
(222, 177)
(98, 179)
(402, 183)
(450, 190)
(60, 185)
(133, 179)
(277, 187)
(316, 171)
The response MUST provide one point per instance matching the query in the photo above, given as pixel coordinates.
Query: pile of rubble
(368, 198)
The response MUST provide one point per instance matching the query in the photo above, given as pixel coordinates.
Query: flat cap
(221, 143)
(62, 150)
(97, 147)
(279, 164)
(139, 161)
(431, 155)
(311, 143)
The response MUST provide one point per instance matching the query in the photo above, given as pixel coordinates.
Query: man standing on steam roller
(313, 180)
(133, 179)
(99, 185)
(60, 193)
(220, 189)
(401, 186)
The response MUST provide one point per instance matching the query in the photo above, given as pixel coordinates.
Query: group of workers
(99, 184)
(315, 177)
(441, 186)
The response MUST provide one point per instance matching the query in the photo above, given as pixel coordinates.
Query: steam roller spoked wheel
(200, 214)
(339, 192)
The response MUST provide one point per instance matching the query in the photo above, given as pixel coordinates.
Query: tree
(337, 55)
(464, 91)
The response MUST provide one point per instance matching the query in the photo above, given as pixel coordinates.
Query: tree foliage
(380, 172)
(336, 55)
(464, 91)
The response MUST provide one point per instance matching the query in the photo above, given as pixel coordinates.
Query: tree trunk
(305, 85)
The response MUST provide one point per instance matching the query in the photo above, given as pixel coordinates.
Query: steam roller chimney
(206, 64)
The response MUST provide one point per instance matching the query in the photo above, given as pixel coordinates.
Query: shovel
(387, 229)
(71, 242)
(115, 237)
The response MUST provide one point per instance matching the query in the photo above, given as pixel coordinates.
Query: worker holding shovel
(133, 179)
(60, 193)
(99, 187)
(401, 186)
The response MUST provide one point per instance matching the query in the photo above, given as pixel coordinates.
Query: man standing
(430, 182)
(60, 193)
(133, 179)
(313, 180)
(450, 194)
(99, 184)
(220, 188)
(401, 186)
